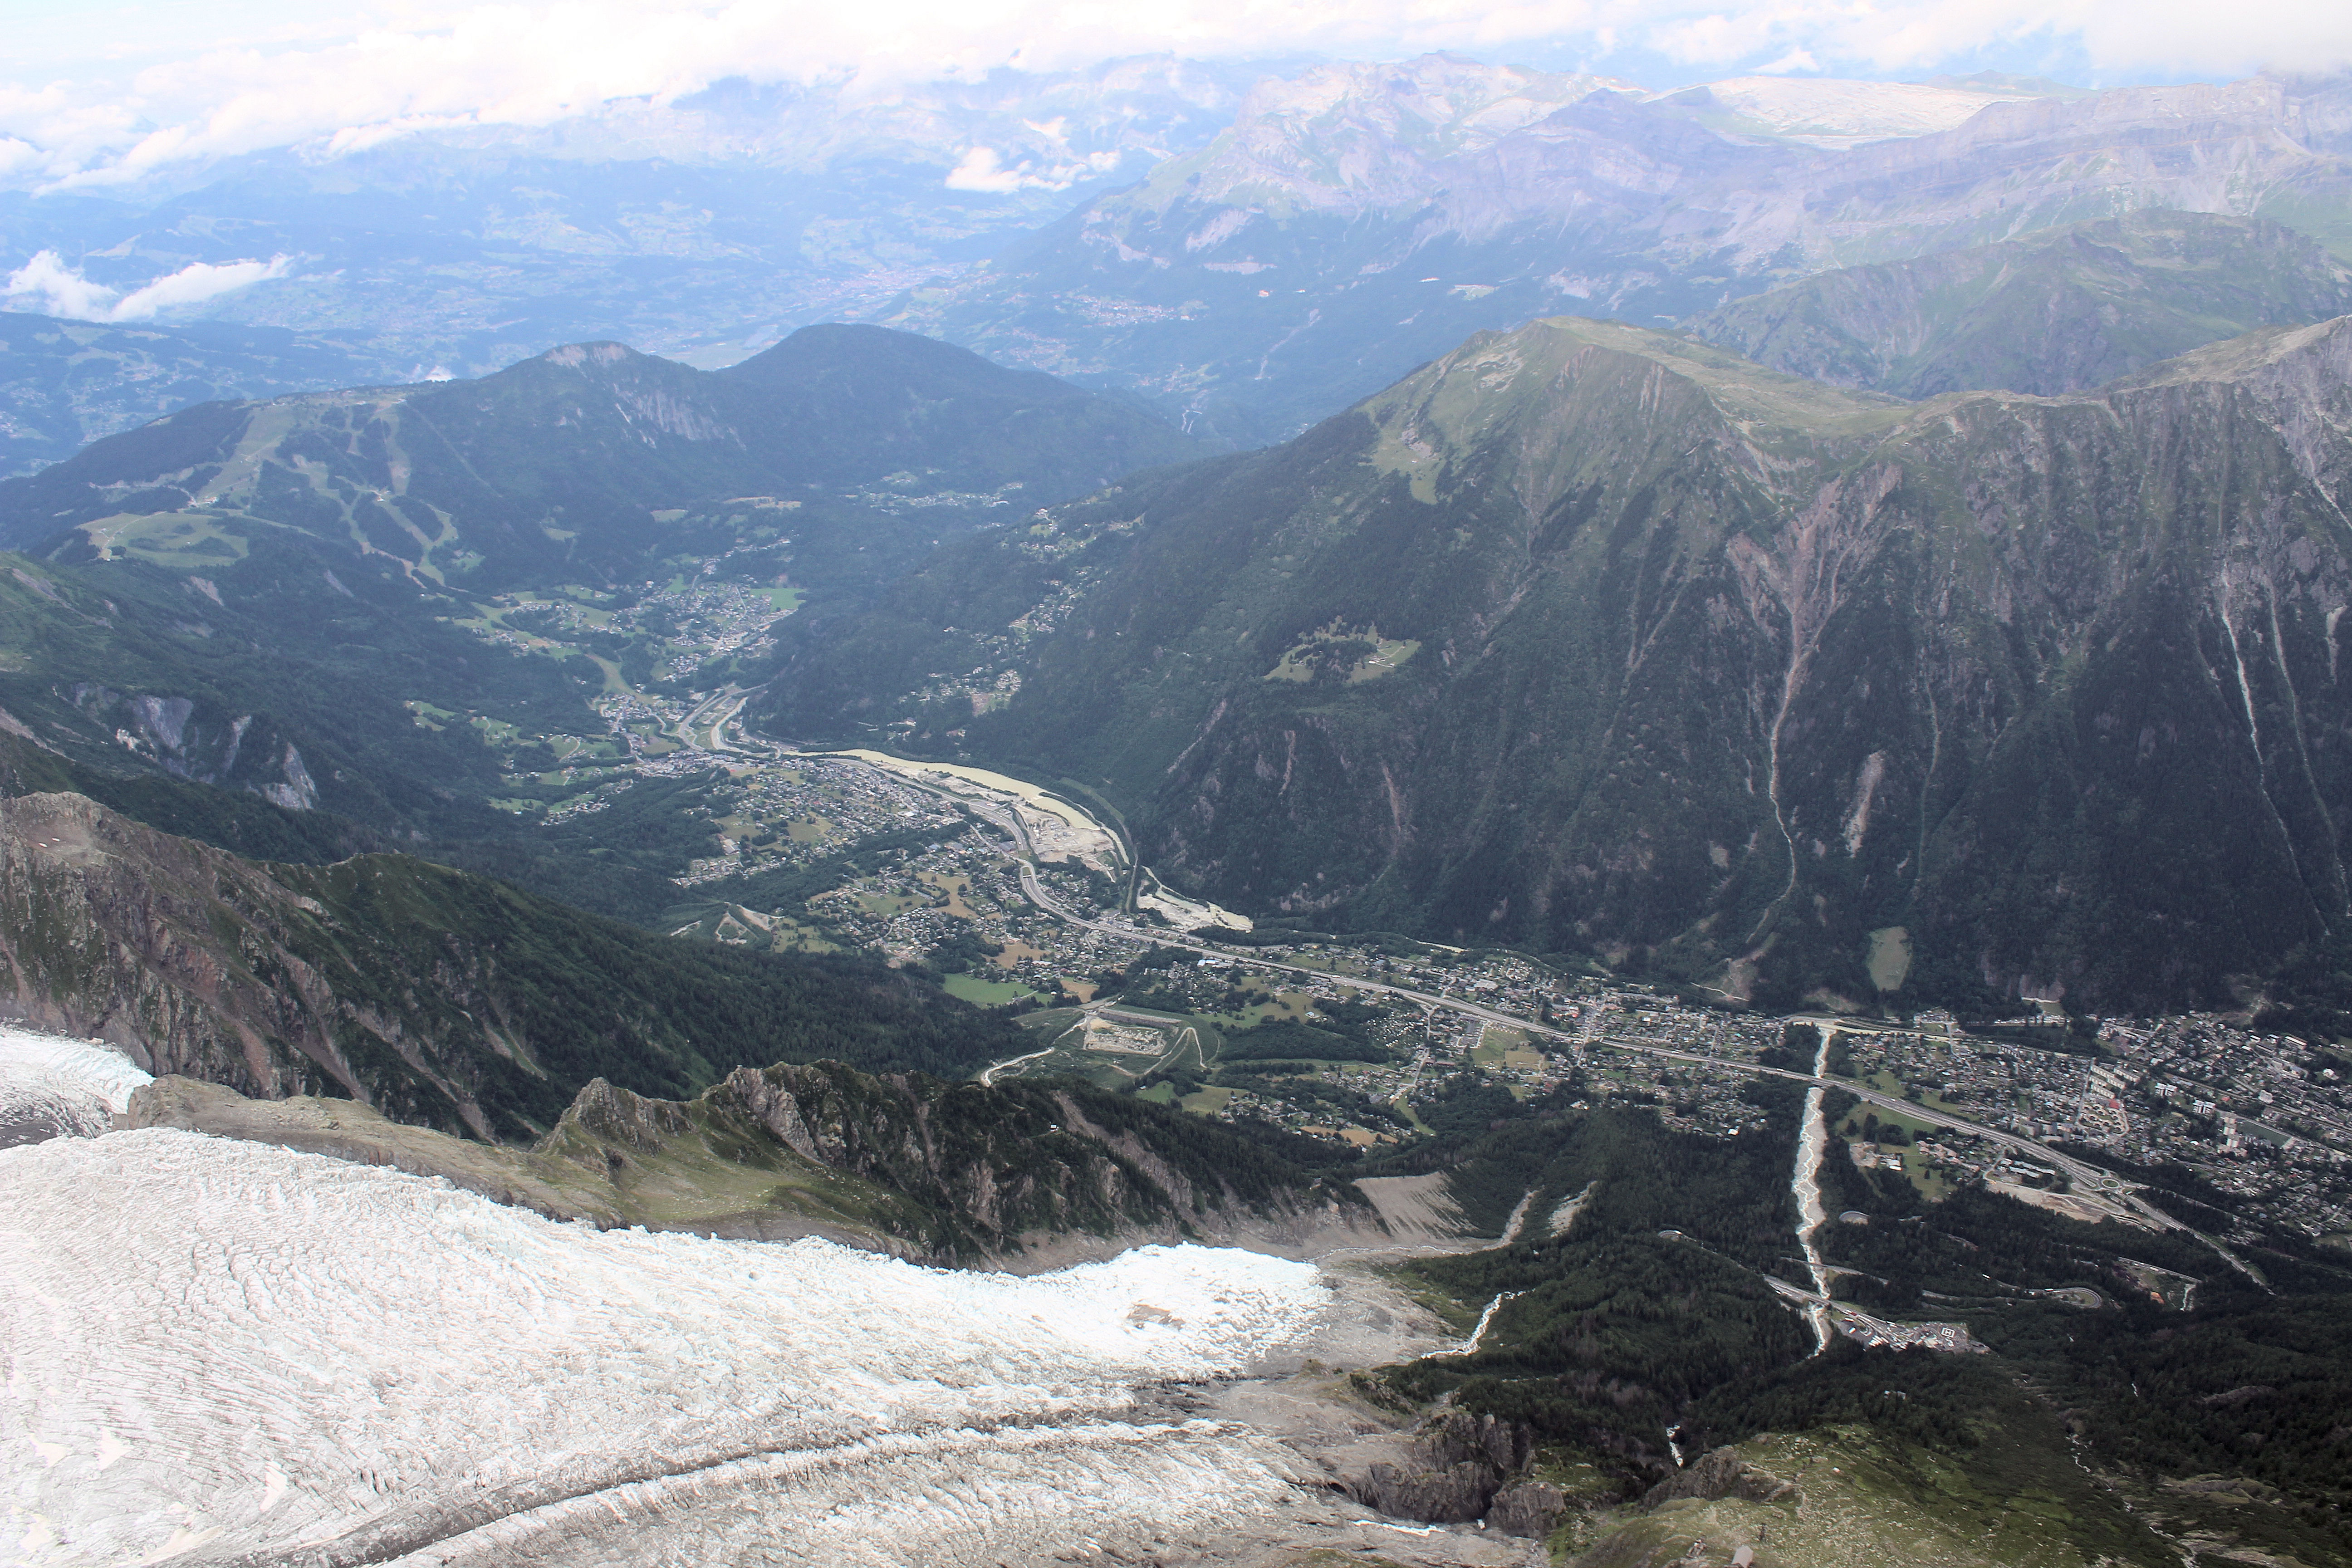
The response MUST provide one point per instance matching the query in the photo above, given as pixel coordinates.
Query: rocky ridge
(1012, 1178)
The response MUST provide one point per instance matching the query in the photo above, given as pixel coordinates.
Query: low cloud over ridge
(48, 283)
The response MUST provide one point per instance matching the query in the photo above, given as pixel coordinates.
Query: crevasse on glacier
(233, 1351)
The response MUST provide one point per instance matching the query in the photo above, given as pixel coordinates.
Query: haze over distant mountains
(1364, 218)
(2059, 311)
(716, 222)
(1250, 251)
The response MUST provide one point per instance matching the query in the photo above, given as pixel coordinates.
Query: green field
(987, 992)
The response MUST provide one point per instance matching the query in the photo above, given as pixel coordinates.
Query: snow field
(51, 1086)
(1831, 113)
(230, 1349)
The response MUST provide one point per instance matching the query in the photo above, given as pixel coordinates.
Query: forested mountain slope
(563, 461)
(400, 604)
(1589, 639)
(2055, 312)
(434, 996)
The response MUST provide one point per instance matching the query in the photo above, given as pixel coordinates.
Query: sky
(92, 93)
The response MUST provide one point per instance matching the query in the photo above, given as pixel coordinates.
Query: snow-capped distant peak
(1821, 113)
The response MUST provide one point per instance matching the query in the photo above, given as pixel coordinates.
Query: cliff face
(179, 953)
(432, 996)
(1587, 638)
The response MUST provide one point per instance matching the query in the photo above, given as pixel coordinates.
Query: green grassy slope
(2055, 312)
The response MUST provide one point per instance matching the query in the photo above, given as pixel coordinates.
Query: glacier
(220, 1352)
(53, 1086)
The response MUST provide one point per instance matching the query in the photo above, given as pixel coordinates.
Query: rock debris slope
(295, 1359)
(1590, 638)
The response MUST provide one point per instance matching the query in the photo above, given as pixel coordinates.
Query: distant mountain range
(1359, 220)
(1588, 637)
(276, 597)
(715, 222)
(1251, 247)
(567, 456)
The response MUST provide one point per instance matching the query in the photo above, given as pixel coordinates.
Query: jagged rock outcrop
(994, 1165)
(1530, 1508)
(1457, 1464)
(950, 1174)
(1719, 1473)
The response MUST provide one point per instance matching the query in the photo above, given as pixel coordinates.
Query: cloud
(411, 64)
(980, 171)
(61, 291)
(983, 169)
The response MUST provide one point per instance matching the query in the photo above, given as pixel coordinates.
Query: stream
(1812, 1140)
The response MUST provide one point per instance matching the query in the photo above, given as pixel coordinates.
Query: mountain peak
(600, 353)
(818, 354)
(1517, 385)
(1357, 136)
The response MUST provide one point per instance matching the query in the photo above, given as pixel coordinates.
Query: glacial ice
(218, 1351)
(52, 1086)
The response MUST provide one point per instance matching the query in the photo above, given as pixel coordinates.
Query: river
(1812, 1140)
